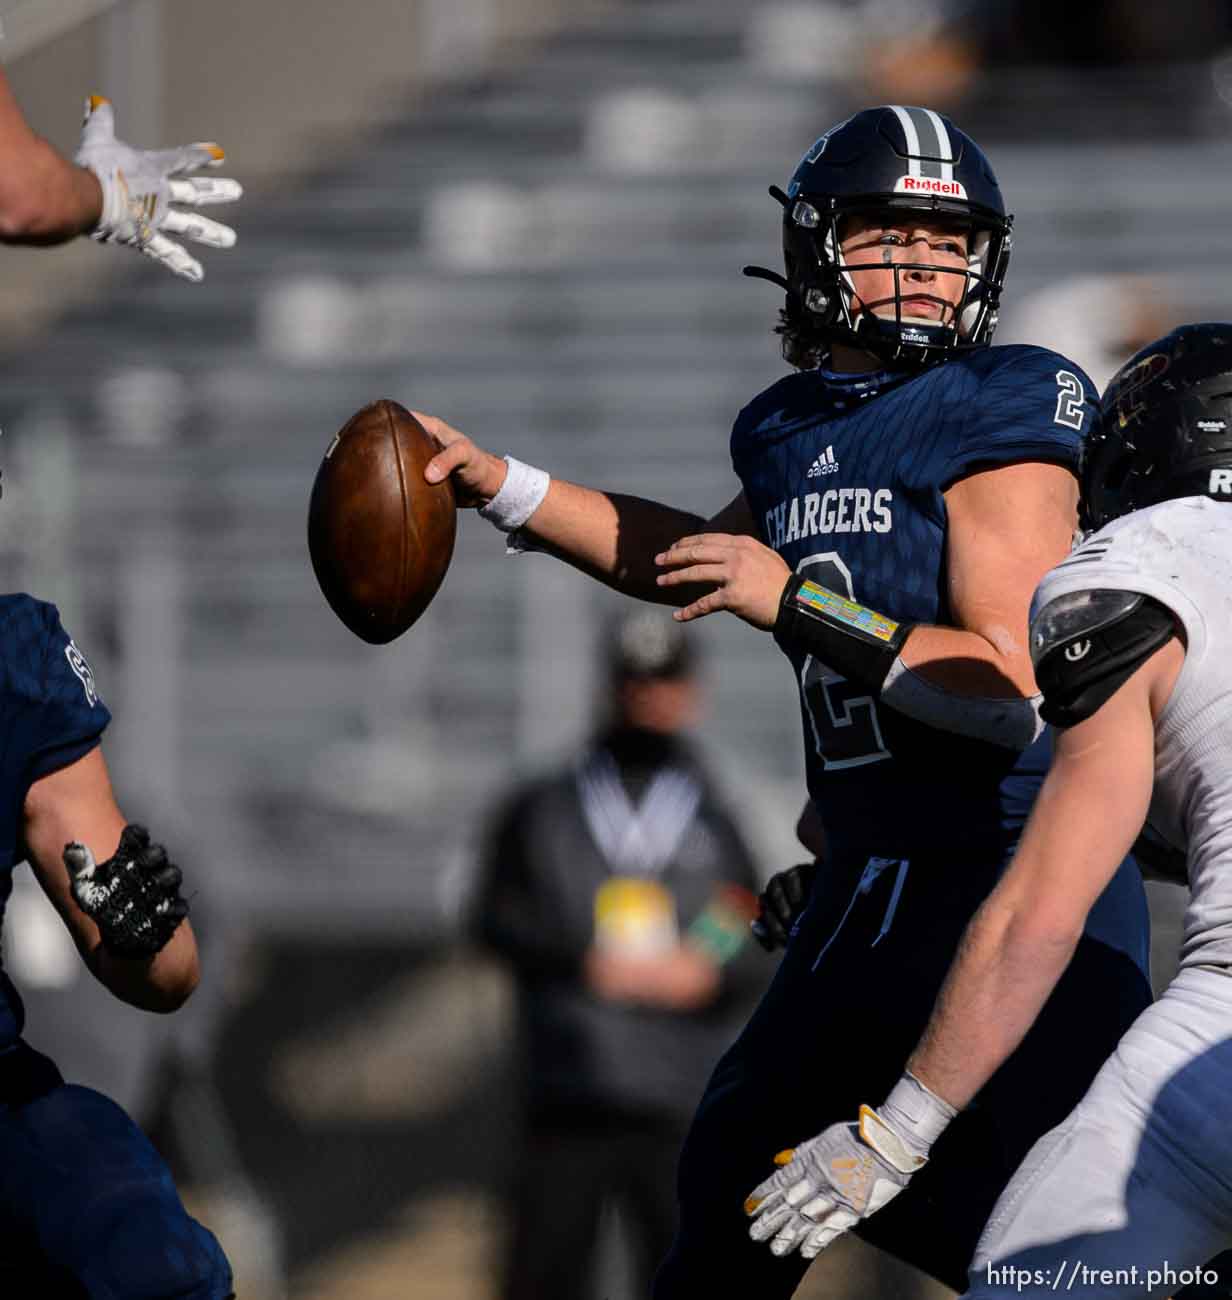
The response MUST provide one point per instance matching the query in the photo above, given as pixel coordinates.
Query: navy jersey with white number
(50, 715)
(845, 476)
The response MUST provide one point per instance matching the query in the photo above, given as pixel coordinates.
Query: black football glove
(134, 897)
(780, 904)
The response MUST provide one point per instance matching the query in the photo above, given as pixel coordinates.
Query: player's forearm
(611, 537)
(969, 663)
(47, 200)
(1022, 938)
(870, 646)
(1007, 967)
(161, 983)
(44, 199)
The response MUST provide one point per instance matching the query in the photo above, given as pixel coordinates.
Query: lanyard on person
(638, 838)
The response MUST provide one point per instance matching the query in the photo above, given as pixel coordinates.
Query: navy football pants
(823, 1041)
(87, 1206)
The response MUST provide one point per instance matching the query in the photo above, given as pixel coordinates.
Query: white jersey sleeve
(1179, 553)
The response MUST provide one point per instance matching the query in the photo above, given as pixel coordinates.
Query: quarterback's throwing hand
(746, 577)
(477, 474)
(829, 1183)
(139, 186)
(134, 897)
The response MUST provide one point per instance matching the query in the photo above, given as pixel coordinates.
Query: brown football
(380, 536)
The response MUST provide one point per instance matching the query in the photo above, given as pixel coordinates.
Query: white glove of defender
(831, 1182)
(139, 187)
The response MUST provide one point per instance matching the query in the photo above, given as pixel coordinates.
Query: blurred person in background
(939, 45)
(619, 891)
(114, 193)
(925, 51)
(900, 497)
(1103, 32)
(87, 1206)
(949, 52)
(1097, 320)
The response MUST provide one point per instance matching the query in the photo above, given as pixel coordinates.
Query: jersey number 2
(1070, 398)
(843, 715)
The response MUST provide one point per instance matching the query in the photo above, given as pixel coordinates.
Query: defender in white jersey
(1131, 1195)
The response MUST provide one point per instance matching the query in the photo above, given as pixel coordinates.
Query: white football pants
(1130, 1195)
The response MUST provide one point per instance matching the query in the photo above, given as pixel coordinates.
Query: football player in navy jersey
(1133, 1192)
(87, 1206)
(901, 495)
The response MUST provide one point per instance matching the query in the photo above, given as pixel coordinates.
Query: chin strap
(764, 273)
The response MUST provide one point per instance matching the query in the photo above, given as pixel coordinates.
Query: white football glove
(139, 187)
(829, 1183)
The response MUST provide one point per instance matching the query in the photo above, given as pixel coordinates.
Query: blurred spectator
(947, 33)
(923, 53)
(1099, 321)
(904, 51)
(619, 890)
(1105, 32)
(936, 51)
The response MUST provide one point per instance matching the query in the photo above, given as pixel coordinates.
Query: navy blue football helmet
(886, 161)
(1166, 427)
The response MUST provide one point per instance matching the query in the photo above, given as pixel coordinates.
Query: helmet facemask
(819, 279)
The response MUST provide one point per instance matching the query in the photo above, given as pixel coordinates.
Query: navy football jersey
(845, 476)
(50, 715)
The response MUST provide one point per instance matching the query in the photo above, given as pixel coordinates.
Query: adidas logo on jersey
(824, 464)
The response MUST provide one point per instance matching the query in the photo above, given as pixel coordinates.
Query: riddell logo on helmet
(929, 185)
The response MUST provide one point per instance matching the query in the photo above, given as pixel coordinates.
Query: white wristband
(520, 495)
(917, 1110)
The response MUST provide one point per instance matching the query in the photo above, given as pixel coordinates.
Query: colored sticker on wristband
(829, 604)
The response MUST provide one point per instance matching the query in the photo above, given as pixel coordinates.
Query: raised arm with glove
(140, 186)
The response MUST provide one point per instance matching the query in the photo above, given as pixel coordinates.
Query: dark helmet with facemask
(882, 165)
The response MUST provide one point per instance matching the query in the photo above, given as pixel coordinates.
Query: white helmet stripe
(913, 139)
(945, 150)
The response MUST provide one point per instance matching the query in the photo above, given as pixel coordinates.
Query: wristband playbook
(846, 636)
